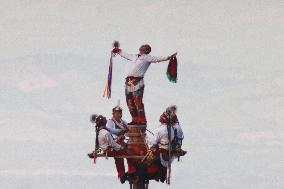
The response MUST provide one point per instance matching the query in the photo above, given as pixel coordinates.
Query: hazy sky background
(230, 91)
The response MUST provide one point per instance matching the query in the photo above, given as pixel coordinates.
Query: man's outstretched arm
(128, 56)
(154, 59)
(124, 55)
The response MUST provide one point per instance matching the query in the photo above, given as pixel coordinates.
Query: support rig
(149, 165)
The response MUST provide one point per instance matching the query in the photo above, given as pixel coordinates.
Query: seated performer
(161, 145)
(116, 125)
(178, 133)
(108, 145)
(163, 138)
(167, 141)
(134, 84)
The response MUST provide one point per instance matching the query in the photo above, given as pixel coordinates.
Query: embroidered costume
(134, 83)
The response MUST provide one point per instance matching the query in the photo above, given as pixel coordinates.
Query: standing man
(134, 84)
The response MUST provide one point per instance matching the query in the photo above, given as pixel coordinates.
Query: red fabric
(119, 162)
(131, 165)
(135, 105)
(160, 151)
(116, 50)
(172, 69)
(156, 168)
(165, 118)
(152, 168)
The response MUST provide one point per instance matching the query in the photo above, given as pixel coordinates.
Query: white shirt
(141, 63)
(106, 140)
(111, 126)
(161, 137)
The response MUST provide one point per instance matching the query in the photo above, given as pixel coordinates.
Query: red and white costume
(161, 137)
(112, 148)
(106, 141)
(141, 62)
(134, 85)
(115, 127)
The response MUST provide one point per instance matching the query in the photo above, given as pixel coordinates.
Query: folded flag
(172, 70)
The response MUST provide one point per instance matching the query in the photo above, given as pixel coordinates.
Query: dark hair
(100, 121)
(116, 44)
(116, 109)
(148, 50)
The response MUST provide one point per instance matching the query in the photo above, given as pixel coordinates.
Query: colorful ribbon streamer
(107, 92)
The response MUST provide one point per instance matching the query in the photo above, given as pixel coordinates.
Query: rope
(149, 155)
(169, 161)
(95, 153)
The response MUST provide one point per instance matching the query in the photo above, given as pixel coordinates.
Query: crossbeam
(134, 157)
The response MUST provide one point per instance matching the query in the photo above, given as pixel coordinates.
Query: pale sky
(53, 68)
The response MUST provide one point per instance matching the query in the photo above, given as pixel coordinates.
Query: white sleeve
(110, 124)
(111, 127)
(154, 59)
(112, 143)
(128, 56)
(149, 140)
(156, 138)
